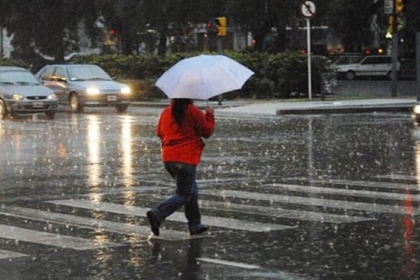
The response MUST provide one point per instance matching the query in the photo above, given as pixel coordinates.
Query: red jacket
(184, 144)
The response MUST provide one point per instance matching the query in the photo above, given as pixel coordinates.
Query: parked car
(21, 93)
(369, 66)
(345, 60)
(84, 85)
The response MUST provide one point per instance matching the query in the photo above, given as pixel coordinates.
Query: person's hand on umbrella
(209, 110)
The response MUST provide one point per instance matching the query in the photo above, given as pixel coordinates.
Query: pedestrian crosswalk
(221, 207)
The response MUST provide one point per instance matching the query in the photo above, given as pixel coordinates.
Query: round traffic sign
(308, 9)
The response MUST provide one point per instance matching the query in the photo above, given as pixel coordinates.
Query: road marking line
(51, 239)
(90, 223)
(124, 190)
(347, 192)
(366, 184)
(229, 263)
(10, 255)
(311, 201)
(398, 177)
(177, 216)
(279, 212)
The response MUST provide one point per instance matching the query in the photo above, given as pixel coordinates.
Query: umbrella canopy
(202, 77)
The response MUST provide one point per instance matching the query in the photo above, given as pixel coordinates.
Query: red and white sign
(308, 9)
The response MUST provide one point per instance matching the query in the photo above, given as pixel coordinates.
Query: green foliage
(10, 62)
(276, 75)
(352, 20)
(46, 26)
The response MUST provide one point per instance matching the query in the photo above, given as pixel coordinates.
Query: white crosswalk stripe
(179, 217)
(312, 201)
(346, 192)
(366, 184)
(398, 177)
(90, 223)
(51, 239)
(10, 255)
(279, 212)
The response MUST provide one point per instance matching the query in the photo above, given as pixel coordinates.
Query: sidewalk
(257, 107)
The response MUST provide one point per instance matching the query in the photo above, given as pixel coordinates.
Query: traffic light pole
(220, 51)
(418, 64)
(394, 73)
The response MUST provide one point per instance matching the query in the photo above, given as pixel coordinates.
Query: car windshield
(17, 77)
(348, 60)
(87, 73)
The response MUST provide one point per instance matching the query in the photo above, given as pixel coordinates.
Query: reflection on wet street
(290, 197)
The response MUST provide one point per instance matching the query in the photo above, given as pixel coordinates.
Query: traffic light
(217, 25)
(400, 5)
(391, 24)
(400, 23)
(221, 23)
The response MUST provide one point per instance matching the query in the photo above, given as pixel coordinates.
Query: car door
(384, 65)
(60, 84)
(47, 78)
(367, 67)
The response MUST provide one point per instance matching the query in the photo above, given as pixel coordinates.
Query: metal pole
(308, 27)
(418, 64)
(394, 83)
(1, 43)
(1, 33)
(220, 51)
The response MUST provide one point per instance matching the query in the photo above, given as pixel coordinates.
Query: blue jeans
(186, 193)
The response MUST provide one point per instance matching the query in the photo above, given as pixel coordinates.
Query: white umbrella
(202, 77)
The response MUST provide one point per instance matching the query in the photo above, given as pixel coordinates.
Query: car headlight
(416, 109)
(125, 90)
(52, 97)
(92, 91)
(17, 97)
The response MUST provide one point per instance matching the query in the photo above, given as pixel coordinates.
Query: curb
(346, 110)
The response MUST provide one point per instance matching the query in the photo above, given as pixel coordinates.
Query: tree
(47, 26)
(411, 17)
(351, 20)
(128, 19)
(170, 17)
(268, 20)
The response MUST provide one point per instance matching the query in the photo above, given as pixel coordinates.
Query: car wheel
(4, 114)
(121, 108)
(75, 104)
(350, 75)
(50, 115)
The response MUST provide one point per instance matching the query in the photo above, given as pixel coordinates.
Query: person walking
(181, 128)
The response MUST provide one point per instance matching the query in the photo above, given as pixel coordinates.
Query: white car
(369, 66)
(345, 60)
(84, 85)
(21, 93)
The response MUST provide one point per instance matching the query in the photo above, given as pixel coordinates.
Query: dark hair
(178, 108)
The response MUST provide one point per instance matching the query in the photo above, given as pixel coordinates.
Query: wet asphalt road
(289, 197)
